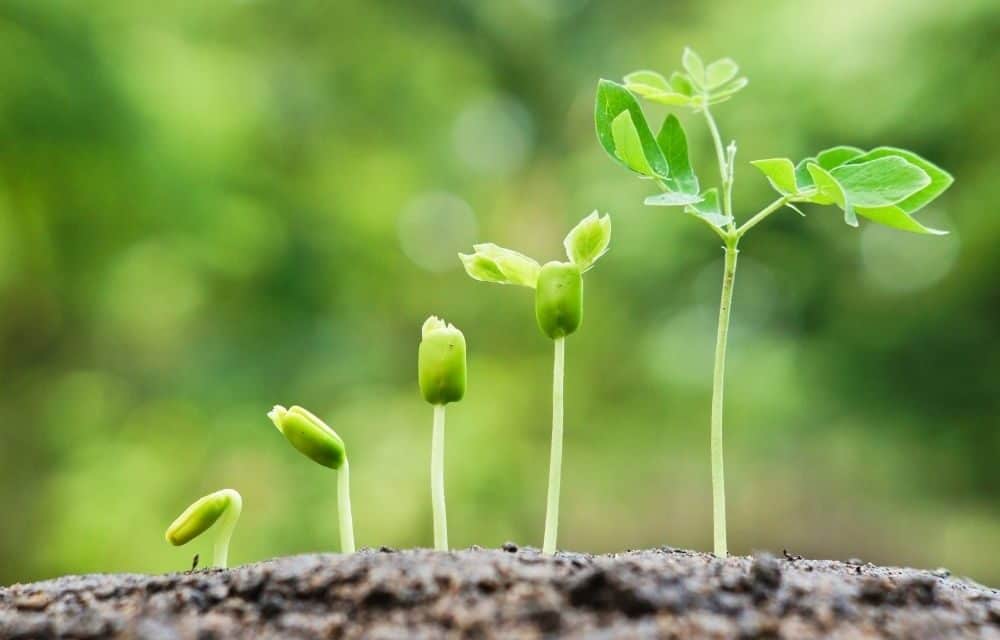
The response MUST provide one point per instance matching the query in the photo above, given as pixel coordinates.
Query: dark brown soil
(510, 593)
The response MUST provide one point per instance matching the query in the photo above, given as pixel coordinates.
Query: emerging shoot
(321, 444)
(200, 516)
(885, 185)
(441, 373)
(558, 311)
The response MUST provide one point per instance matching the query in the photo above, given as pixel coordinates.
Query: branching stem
(437, 481)
(555, 456)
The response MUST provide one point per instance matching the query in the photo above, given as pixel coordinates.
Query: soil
(510, 593)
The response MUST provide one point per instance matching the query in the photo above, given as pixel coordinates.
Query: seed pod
(201, 515)
(310, 435)
(559, 299)
(441, 368)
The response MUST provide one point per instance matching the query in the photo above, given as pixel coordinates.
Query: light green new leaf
(881, 182)
(802, 176)
(516, 267)
(481, 268)
(829, 191)
(681, 83)
(647, 78)
(588, 240)
(613, 100)
(669, 99)
(708, 210)
(694, 66)
(727, 91)
(628, 146)
(835, 156)
(940, 179)
(895, 217)
(720, 72)
(673, 142)
(652, 86)
(672, 199)
(780, 173)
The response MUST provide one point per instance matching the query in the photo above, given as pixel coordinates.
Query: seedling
(558, 310)
(441, 373)
(321, 444)
(885, 185)
(200, 516)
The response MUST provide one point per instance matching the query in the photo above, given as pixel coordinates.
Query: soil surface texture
(510, 593)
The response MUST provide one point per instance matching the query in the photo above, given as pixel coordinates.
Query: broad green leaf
(628, 147)
(694, 66)
(516, 267)
(895, 217)
(728, 91)
(481, 268)
(940, 179)
(881, 182)
(836, 156)
(681, 83)
(708, 210)
(647, 78)
(720, 72)
(802, 176)
(612, 100)
(672, 199)
(829, 191)
(780, 173)
(673, 142)
(588, 240)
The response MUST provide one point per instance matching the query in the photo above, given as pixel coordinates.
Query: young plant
(441, 372)
(885, 185)
(200, 516)
(558, 310)
(321, 444)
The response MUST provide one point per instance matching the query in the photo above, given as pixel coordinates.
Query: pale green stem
(555, 455)
(718, 384)
(763, 213)
(725, 172)
(344, 516)
(226, 525)
(437, 481)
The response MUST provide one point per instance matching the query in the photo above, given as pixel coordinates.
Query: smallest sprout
(200, 516)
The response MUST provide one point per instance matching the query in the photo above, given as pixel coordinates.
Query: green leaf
(727, 91)
(588, 240)
(894, 216)
(829, 191)
(780, 173)
(694, 66)
(681, 83)
(481, 268)
(708, 210)
(612, 100)
(836, 156)
(880, 182)
(628, 147)
(647, 78)
(662, 97)
(802, 176)
(516, 267)
(720, 72)
(672, 199)
(940, 179)
(673, 142)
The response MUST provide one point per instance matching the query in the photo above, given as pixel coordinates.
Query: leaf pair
(584, 244)
(886, 185)
(696, 86)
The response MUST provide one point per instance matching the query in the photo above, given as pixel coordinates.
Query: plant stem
(220, 554)
(725, 172)
(718, 385)
(346, 521)
(763, 213)
(437, 481)
(555, 455)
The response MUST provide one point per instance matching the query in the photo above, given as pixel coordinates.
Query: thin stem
(437, 481)
(725, 172)
(346, 521)
(763, 213)
(555, 455)
(227, 523)
(718, 383)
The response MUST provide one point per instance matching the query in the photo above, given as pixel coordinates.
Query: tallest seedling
(885, 185)
(559, 311)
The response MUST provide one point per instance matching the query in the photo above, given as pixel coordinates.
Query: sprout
(558, 310)
(200, 516)
(321, 444)
(441, 372)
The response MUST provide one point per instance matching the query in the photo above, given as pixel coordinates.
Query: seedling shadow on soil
(511, 592)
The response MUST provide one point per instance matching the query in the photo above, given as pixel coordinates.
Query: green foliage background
(207, 208)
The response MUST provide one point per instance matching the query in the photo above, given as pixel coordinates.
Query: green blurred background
(207, 208)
